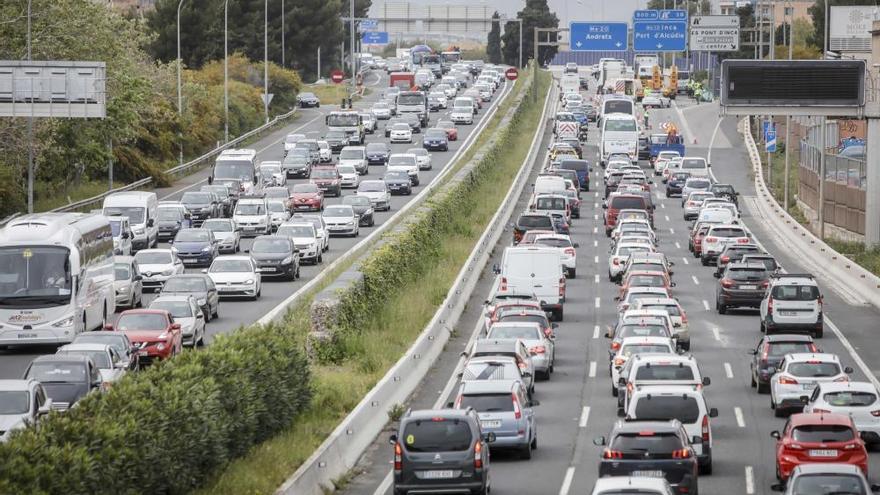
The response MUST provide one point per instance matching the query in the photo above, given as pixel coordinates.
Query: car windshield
(334, 135)
(727, 232)
(153, 258)
(629, 350)
(697, 183)
(514, 332)
(195, 197)
(402, 160)
(660, 371)
(218, 225)
(553, 242)
(779, 349)
(634, 330)
(346, 169)
(828, 484)
(58, 372)
(305, 188)
(531, 222)
(822, 433)
(446, 124)
(628, 250)
(250, 209)
(435, 134)
(484, 403)
(115, 340)
(377, 148)
(14, 402)
(646, 442)
(372, 186)
(276, 207)
(324, 173)
(297, 230)
(647, 281)
(142, 321)
(795, 292)
(401, 126)
(813, 369)
(663, 408)
(356, 200)
(437, 435)
(276, 246)
(170, 214)
(850, 398)
(231, 265)
(122, 271)
(747, 274)
(268, 170)
(544, 203)
(193, 235)
(349, 154)
(178, 309)
(307, 95)
(135, 214)
(100, 358)
(186, 284)
(692, 163)
(337, 211)
(115, 227)
(627, 203)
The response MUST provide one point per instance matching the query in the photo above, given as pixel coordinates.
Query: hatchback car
(857, 400)
(798, 374)
(276, 255)
(436, 139)
(818, 438)
(341, 220)
(398, 182)
(510, 348)
(127, 282)
(540, 345)
(25, 403)
(327, 179)
(363, 208)
(377, 153)
(117, 340)
(400, 133)
(741, 285)
(377, 192)
(305, 239)
(226, 234)
(195, 247)
(157, 266)
(307, 197)
(733, 253)
(106, 358)
(186, 313)
(792, 302)
(65, 379)
(153, 332)
(504, 409)
(236, 276)
(200, 287)
(631, 346)
(618, 485)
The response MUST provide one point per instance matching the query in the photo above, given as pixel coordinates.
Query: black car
(307, 100)
(733, 253)
(297, 164)
(276, 255)
(171, 220)
(769, 353)
(767, 260)
(398, 182)
(644, 148)
(413, 120)
(435, 139)
(201, 206)
(741, 285)
(651, 448)
(67, 379)
(363, 208)
(198, 285)
(225, 197)
(675, 183)
(725, 191)
(441, 441)
(377, 153)
(532, 221)
(336, 139)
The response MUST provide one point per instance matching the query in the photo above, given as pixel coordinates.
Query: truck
(610, 70)
(413, 102)
(628, 87)
(348, 121)
(403, 80)
(432, 62)
(644, 65)
(662, 142)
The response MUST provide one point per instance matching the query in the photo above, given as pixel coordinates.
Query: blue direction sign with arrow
(660, 30)
(598, 36)
(368, 25)
(375, 38)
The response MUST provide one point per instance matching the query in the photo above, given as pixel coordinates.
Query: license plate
(27, 335)
(648, 474)
(788, 313)
(435, 475)
(823, 453)
(808, 386)
(186, 260)
(142, 353)
(491, 423)
(748, 287)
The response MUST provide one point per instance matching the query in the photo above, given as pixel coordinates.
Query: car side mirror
(150, 222)
(496, 269)
(716, 275)
(604, 206)
(621, 412)
(804, 399)
(576, 245)
(707, 381)
(848, 370)
(175, 326)
(204, 270)
(526, 374)
(599, 441)
(875, 487)
(713, 412)
(775, 434)
(672, 284)
(122, 364)
(490, 437)
(450, 405)
(777, 487)
(125, 235)
(621, 381)
(534, 403)
(170, 241)
(200, 315)
(45, 408)
(392, 439)
(138, 278)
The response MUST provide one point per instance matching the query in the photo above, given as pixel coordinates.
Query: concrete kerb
(343, 448)
(841, 273)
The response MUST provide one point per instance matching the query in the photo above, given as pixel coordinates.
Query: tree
(694, 7)
(536, 13)
(493, 49)
(817, 12)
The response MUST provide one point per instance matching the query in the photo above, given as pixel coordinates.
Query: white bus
(56, 277)
(619, 135)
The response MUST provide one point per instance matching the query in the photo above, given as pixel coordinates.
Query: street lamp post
(226, 71)
(282, 34)
(179, 91)
(266, 60)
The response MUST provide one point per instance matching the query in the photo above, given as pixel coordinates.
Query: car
(377, 153)
(792, 303)
(308, 100)
(826, 477)
(631, 346)
(236, 276)
(398, 182)
(423, 158)
(765, 259)
(305, 240)
(635, 327)
(818, 438)
(659, 370)
(223, 230)
(224, 194)
(675, 183)
(171, 218)
(506, 301)
(195, 246)
(511, 348)
(676, 313)
(493, 368)
(127, 282)
(337, 139)
(400, 133)
(276, 193)
(412, 118)
(198, 285)
(655, 101)
(341, 220)
(436, 139)
(394, 121)
(407, 162)
(349, 176)
(156, 266)
(187, 313)
(634, 294)
(566, 248)
(279, 212)
(363, 208)
(276, 255)
(720, 235)
(540, 345)
(291, 139)
(505, 409)
(382, 110)
(271, 174)
(327, 179)
(620, 256)
(297, 164)
(770, 351)
(857, 400)
(798, 374)
(726, 191)
(251, 216)
(324, 151)
(741, 285)
(122, 235)
(449, 127)
(430, 444)
(320, 228)
(733, 253)
(692, 202)
(65, 379)
(201, 206)
(617, 485)
(657, 449)
(370, 122)
(378, 193)
(307, 197)
(24, 404)
(355, 156)
(117, 340)
(153, 332)
(532, 221)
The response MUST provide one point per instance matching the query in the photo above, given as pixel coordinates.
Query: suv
(659, 370)
(505, 409)
(769, 353)
(656, 449)
(685, 403)
(733, 253)
(797, 376)
(720, 236)
(792, 303)
(741, 284)
(441, 450)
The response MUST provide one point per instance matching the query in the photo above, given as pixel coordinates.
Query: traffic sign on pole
(337, 76)
(511, 74)
(374, 38)
(660, 30)
(368, 25)
(714, 33)
(598, 36)
(770, 136)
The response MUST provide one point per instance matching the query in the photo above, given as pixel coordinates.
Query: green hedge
(164, 430)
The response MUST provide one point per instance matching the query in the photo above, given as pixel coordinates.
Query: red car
(152, 331)
(327, 179)
(306, 197)
(818, 438)
(449, 127)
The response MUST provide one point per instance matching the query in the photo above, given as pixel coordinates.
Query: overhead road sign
(54, 89)
(374, 38)
(366, 25)
(714, 33)
(715, 21)
(598, 36)
(660, 30)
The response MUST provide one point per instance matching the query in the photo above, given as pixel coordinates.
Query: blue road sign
(660, 30)
(368, 25)
(598, 36)
(375, 38)
(769, 136)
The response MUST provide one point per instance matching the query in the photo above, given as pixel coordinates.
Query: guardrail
(345, 445)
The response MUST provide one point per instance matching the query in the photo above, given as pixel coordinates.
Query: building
(780, 11)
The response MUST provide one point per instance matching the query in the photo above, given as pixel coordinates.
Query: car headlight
(160, 346)
(202, 302)
(124, 288)
(66, 322)
(287, 260)
(206, 249)
(350, 222)
(169, 271)
(138, 230)
(262, 220)
(249, 281)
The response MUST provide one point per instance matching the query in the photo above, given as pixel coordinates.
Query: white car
(348, 176)
(567, 250)
(370, 122)
(305, 239)
(341, 220)
(447, 89)
(224, 231)
(655, 101)
(320, 228)
(636, 293)
(251, 217)
(441, 98)
(614, 485)
(278, 212)
(857, 400)
(401, 133)
(463, 109)
(617, 260)
(798, 374)
(381, 110)
(675, 312)
(378, 193)
(157, 266)
(405, 162)
(187, 312)
(290, 141)
(720, 236)
(423, 158)
(110, 364)
(236, 276)
(356, 156)
(631, 346)
(27, 404)
(324, 151)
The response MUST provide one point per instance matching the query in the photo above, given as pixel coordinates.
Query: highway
(577, 405)
(237, 313)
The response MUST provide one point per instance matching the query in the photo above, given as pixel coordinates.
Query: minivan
(582, 167)
(142, 210)
(537, 270)
(619, 202)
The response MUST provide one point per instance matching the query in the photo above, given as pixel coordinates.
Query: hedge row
(164, 430)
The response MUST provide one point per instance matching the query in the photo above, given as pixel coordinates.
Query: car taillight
(398, 456)
(629, 387)
(538, 349)
(522, 365)
(725, 259)
(684, 317)
(569, 251)
(681, 454)
(615, 346)
(562, 287)
(766, 352)
(619, 362)
(615, 262)
(742, 240)
(770, 306)
(548, 332)
(503, 284)
(727, 283)
(787, 381)
(705, 428)
(765, 284)
(517, 412)
(876, 413)
(711, 240)
(612, 454)
(822, 411)
(478, 455)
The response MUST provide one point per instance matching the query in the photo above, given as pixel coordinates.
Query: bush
(166, 429)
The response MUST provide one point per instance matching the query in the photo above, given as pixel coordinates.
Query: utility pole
(787, 117)
(352, 51)
(31, 120)
(226, 71)
(266, 60)
(822, 179)
(283, 34)
(179, 90)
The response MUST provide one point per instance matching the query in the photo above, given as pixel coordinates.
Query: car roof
(746, 265)
(669, 390)
(422, 414)
(16, 385)
(473, 387)
(634, 482)
(234, 257)
(673, 358)
(658, 300)
(171, 297)
(622, 426)
(496, 344)
(90, 346)
(801, 419)
(788, 337)
(829, 468)
(853, 386)
(61, 358)
(644, 340)
(801, 357)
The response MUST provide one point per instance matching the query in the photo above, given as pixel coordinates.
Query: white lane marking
(684, 122)
(706, 305)
(662, 205)
(585, 416)
(852, 352)
(596, 332)
(595, 205)
(677, 245)
(597, 278)
(595, 243)
(596, 216)
(740, 421)
(716, 333)
(695, 279)
(671, 230)
(712, 141)
(592, 369)
(750, 480)
(566, 482)
(685, 260)
(598, 302)
(596, 259)
(728, 370)
(595, 230)
(667, 217)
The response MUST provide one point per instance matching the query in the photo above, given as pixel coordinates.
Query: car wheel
(722, 308)
(526, 452)
(296, 273)
(201, 341)
(320, 258)
(817, 334)
(216, 313)
(572, 272)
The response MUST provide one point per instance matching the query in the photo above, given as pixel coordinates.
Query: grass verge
(388, 332)
(47, 200)
(330, 93)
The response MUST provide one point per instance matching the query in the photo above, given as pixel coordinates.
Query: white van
(695, 165)
(619, 135)
(549, 184)
(569, 84)
(142, 210)
(534, 270)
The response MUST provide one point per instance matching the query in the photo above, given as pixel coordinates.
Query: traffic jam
(652, 338)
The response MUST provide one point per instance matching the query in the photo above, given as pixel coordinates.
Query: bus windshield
(343, 119)
(34, 275)
(620, 126)
(411, 99)
(618, 106)
(232, 169)
(135, 214)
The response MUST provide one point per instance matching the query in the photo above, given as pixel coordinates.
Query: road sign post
(660, 30)
(598, 36)
(714, 33)
(511, 74)
(366, 25)
(337, 76)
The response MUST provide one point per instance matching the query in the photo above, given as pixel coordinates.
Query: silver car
(341, 220)
(541, 347)
(110, 363)
(504, 409)
(188, 314)
(127, 282)
(24, 403)
(693, 202)
(225, 232)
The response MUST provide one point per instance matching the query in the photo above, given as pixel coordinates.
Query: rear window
(629, 350)
(747, 274)
(692, 163)
(522, 318)
(770, 263)
(535, 222)
(727, 232)
(621, 203)
(780, 349)
(795, 292)
(662, 408)
(437, 436)
(813, 370)
(665, 372)
(553, 242)
(850, 398)
(827, 483)
(488, 402)
(574, 165)
(518, 332)
(646, 281)
(646, 442)
(822, 433)
(642, 331)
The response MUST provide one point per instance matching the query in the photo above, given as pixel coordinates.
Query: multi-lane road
(577, 405)
(233, 313)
